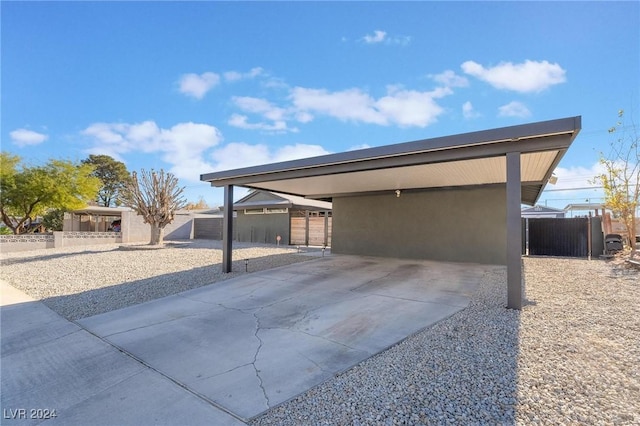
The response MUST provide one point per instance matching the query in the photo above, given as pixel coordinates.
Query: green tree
(27, 192)
(155, 196)
(621, 177)
(113, 174)
(53, 220)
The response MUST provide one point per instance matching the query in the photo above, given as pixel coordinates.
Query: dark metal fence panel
(559, 237)
(524, 236)
(207, 228)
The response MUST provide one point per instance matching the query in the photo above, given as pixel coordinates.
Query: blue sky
(196, 87)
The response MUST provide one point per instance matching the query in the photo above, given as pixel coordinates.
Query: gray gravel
(80, 282)
(571, 356)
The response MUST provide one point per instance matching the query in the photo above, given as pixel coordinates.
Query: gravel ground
(571, 356)
(80, 282)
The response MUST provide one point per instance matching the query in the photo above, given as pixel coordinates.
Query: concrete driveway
(247, 344)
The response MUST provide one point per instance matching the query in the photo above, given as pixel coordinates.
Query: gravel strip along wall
(571, 356)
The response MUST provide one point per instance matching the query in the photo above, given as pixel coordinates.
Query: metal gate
(557, 237)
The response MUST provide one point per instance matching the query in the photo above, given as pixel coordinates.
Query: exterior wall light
(398, 192)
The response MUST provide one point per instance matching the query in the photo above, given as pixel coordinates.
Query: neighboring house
(263, 216)
(126, 223)
(93, 219)
(585, 209)
(542, 212)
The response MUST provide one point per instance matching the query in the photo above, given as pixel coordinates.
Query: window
(276, 210)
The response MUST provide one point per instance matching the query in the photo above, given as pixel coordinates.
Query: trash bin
(613, 243)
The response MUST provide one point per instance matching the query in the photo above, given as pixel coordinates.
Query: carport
(480, 179)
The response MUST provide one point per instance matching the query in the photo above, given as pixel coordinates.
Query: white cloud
(182, 146)
(576, 176)
(277, 117)
(197, 86)
(526, 77)
(514, 109)
(449, 78)
(259, 106)
(237, 76)
(239, 154)
(346, 105)
(411, 108)
(232, 76)
(242, 122)
(468, 111)
(402, 107)
(303, 117)
(25, 137)
(378, 36)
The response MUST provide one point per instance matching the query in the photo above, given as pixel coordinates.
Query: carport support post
(227, 229)
(514, 232)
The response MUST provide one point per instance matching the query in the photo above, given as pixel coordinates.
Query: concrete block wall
(134, 230)
(12, 243)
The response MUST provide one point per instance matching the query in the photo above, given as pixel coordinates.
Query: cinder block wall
(181, 228)
(135, 230)
(458, 225)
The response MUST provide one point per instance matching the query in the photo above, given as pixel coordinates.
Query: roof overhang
(584, 206)
(469, 159)
(280, 200)
(101, 211)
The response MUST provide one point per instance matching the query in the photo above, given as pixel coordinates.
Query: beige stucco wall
(460, 225)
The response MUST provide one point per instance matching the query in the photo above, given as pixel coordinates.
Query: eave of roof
(282, 201)
(315, 177)
(101, 210)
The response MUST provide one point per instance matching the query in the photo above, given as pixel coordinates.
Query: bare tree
(155, 196)
(621, 177)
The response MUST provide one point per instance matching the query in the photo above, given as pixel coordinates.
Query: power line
(573, 189)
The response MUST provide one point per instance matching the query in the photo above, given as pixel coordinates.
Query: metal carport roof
(468, 159)
(520, 157)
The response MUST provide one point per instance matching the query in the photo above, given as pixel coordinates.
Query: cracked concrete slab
(255, 341)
